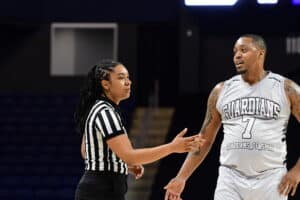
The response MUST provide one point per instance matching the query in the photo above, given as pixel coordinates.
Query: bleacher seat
(40, 151)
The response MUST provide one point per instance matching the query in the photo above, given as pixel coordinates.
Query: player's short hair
(257, 40)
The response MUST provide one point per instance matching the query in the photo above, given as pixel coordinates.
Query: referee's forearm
(148, 155)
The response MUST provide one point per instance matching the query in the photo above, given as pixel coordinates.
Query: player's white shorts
(232, 185)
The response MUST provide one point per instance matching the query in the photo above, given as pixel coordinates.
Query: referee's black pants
(101, 186)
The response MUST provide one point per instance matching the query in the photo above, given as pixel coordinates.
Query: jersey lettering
(252, 106)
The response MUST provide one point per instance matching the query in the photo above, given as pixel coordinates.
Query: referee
(106, 148)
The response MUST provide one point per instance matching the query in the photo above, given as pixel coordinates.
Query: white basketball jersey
(255, 119)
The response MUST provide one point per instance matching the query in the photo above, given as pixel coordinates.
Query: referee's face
(118, 86)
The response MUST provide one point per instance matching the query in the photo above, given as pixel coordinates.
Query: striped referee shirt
(103, 122)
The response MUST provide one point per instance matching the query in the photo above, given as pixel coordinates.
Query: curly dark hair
(92, 90)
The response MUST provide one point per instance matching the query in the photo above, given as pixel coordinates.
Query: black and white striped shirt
(103, 122)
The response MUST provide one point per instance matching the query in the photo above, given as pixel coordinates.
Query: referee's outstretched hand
(182, 144)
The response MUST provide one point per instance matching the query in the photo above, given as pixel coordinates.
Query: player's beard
(243, 71)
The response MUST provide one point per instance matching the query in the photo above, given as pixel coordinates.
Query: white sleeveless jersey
(255, 119)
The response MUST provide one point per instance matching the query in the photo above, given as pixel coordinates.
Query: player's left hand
(289, 182)
(136, 170)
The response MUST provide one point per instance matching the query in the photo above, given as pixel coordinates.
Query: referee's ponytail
(91, 91)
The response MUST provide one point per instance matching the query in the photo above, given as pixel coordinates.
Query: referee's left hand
(136, 170)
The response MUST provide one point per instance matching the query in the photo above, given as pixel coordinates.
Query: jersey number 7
(247, 133)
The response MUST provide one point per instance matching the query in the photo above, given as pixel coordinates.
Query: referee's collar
(110, 102)
(114, 105)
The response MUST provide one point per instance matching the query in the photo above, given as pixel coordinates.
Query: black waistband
(103, 173)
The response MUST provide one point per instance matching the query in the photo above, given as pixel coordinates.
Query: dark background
(153, 42)
(186, 50)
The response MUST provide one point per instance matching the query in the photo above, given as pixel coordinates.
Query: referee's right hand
(182, 144)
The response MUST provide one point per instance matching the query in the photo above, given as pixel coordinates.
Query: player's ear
(262, 53)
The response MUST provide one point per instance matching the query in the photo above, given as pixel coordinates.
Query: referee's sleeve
(109, 124)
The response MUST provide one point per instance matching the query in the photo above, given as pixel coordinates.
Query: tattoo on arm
(211, 105)
(209, 116)
(195, 153)
(293, 92)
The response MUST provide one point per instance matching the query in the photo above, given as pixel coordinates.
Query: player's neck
(255, 77)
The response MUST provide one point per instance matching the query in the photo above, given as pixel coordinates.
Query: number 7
(248, 129)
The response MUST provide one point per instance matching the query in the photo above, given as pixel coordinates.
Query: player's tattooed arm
(212, 120)
(292, 90)
(211, 111)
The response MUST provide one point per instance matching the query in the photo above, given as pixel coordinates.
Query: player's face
(118, 86)
(245, 55)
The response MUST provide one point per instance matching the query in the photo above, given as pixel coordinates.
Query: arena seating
(40, 151)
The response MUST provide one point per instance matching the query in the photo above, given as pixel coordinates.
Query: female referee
(107, 150)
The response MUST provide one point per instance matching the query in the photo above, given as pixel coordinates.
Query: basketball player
(254, 108)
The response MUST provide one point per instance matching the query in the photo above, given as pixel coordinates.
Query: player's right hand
(174, 189)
